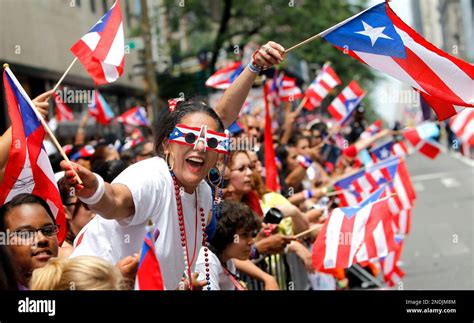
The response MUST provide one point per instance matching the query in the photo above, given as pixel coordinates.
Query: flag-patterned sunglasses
(191, 136)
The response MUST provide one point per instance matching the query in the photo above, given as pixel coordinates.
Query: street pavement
(438, 253)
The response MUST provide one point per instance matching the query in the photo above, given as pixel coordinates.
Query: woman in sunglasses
(30, 226)
(168, 189)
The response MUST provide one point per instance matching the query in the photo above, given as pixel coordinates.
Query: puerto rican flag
(379, 239)
(371, 130)
(180, 131)
(321, 87)
(149, 272)
(380, 39)
(136, 116)
(172, 103)
(403, 188)
(288, 90)
(463, 126)
(223, 78)
(399, 149)
(100, 109)
(272, 89)
(420, 139)
(402, 221)
(85, 152)
(391, 271)
(346, 230)
(102, 49)
(63, 112)
(364, 182)
(382, 152)
(28, 168)
(346, 102)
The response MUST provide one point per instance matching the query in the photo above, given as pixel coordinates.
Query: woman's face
(31, 250)
(291, 161)
(240, 174)
(256, 164)
(191, 165)
(302, 146)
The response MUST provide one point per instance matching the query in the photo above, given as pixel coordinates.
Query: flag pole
(64, 75)
(317, 226)
(43, 122)
(329, 29)
(301, 105)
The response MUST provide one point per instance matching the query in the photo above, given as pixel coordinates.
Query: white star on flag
(384, 153)
(373, 33)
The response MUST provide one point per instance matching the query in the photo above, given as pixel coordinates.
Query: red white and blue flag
(463, 126)
(288, 90)
(358, 186)
(322, 85)
(63, 112)
(422, 141)
(178, 135)
(273, 88)
(149, 272)
(399, 149)
(102, 49)
(346, 102)
(28, 169)
(392, 273)
(85, 152)
(371, 130)
(223, 78)
(100, 109)
(380, 39)
(136, 116)
(346, 230)
(382, 151)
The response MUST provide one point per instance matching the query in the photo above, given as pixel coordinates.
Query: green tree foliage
(215, 24)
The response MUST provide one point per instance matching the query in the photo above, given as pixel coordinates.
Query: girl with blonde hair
(79, 273)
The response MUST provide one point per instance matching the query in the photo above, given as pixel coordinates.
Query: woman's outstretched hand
(89, 181)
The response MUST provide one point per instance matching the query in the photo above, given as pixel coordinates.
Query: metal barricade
(288, 270)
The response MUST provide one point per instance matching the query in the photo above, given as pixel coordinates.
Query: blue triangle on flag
(370, 32)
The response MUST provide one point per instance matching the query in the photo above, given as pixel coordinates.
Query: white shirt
(217, 277)
(153, 194)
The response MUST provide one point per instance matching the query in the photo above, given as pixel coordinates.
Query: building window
(93, 6)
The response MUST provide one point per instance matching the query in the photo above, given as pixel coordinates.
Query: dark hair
(321, 127)
(234, 216)
(295, 138)
(20, 199)
(110, 169)
(138, 148)
(167, 120)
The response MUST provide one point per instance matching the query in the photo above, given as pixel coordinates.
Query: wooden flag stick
(301, 106)
(64, 75)
(299, 235)
(41, 119)
(328, 30)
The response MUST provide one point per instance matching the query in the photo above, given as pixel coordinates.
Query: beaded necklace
(182, 230)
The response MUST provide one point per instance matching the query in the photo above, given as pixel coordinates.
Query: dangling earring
(214, 177)
(167, 159)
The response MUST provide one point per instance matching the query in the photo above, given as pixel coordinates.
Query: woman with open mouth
(168, 189)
